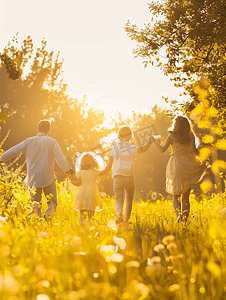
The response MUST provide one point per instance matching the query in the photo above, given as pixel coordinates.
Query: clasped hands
(75, 181)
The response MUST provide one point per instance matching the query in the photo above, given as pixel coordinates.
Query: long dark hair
(181, 130)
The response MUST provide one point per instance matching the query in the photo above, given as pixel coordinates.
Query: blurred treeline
(31, 89)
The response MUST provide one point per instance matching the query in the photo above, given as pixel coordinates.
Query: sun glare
(111, 107)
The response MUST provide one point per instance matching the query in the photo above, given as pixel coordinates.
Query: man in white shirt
(41, 153)
(122, 157)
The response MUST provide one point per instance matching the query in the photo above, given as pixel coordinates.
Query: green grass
(155, 258)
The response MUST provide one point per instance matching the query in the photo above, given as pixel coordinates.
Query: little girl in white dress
(88, 199)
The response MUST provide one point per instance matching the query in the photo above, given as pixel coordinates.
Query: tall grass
(153, 258)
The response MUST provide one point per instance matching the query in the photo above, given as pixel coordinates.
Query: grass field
(154, 258)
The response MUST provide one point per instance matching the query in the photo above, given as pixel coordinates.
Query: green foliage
(210, 127)
(15, 198)
(186, 40)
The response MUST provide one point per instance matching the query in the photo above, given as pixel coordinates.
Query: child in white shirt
(122, 157)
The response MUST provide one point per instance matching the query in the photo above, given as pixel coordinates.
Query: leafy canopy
(186, 39)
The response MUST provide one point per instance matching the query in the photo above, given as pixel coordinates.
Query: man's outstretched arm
(14, 151)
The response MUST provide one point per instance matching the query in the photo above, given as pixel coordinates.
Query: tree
(187, 41)
(24, 97)
(31, 89)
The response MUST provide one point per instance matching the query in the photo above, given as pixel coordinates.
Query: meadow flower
(202, 290)
(42, 297)
(80, 253)
(75, 242)
(133, 263)
(120, 242)
(46, 283)
(18, 270)
(40, 270)
(154, 267)
(168, 239)
(174, 287)
(29, 209)
(113, 269)
(172, 247)
(73, 295)
(107, 251)
(142, 288)
(9, 283)
(159, 247)
(155, 259)
(117, 258)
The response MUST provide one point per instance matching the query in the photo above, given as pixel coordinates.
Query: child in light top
(88, 199)
(122, 157)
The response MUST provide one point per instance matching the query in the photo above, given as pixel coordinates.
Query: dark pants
(51, 195)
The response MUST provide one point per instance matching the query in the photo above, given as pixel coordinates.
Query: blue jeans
(50, 192)
(121, 184)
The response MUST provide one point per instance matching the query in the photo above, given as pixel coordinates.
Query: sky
(97, 53)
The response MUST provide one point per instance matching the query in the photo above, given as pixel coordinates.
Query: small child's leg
(177, 205)
(82, 217)
(90, 214)
(185, 205)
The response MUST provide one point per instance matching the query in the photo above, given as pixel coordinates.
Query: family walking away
(183, 169)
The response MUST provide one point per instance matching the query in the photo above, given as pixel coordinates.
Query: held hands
(75, 181)
(71, 172)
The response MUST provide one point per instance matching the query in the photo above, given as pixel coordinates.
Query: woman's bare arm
(166, 145)
(193, 147)
(145, 147)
